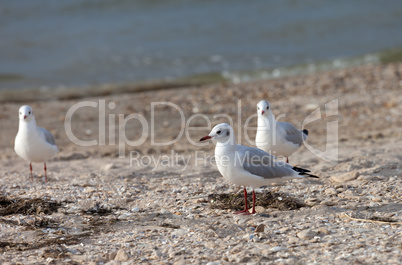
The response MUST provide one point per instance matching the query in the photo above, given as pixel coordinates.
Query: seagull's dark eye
(218, 132)
(29, 112)
(267, 107)
(20, 113)
(258, 108)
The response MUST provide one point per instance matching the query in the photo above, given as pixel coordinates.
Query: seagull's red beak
(205, 138)
(25, 116)
(262, 112)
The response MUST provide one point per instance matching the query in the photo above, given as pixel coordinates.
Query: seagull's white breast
(270, 138)
(30, 144)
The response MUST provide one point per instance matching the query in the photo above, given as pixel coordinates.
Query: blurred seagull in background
(275, 137)
(33, 143)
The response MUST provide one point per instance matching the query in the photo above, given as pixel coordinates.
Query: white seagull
(275, 137)
(248, 166)
(33, 143)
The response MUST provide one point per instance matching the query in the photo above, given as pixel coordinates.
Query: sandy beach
(111, 203)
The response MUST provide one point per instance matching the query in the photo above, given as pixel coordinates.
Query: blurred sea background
(68, 44)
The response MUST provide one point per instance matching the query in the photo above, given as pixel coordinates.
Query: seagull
(248, 166)
(275, 137)
(33, 143)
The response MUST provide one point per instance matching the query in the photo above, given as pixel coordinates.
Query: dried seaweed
(44, 242)
(265, 199)
(170, 226)
(27, 206)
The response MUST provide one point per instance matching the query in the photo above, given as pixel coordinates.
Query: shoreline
(62, 92)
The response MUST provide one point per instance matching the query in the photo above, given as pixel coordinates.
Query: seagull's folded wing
(292, 134)
(262, 164)
(48, 136)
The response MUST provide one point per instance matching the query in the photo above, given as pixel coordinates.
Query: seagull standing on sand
(248, 166)
(33, 143)
(275, 137)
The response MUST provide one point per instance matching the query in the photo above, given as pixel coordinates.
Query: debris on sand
(28, 206)
(266, 199)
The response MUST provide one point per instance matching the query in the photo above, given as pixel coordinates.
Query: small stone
(315, 239)
(260, 228)
(311, 106)
(108, 167)
(277, 249)
(180, 262)
(121, 255)
(311, 201)
(248, 237)
(346, 176)
(79, 258)
(156, 254)
(306, 234)
(89, 190)
(242, 259)
(210, 245)
(259, 209)
(367, 178)
(112, 255)
(328, 203)
(164, 211)
(135, 209)
(113, 262)
(293, 240)
(323, 231)
(338, 190)
(124, 216)
(330, 191)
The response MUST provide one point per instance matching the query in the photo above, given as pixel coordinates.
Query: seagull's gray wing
(291, 133)
(263, 164)
(48, 136)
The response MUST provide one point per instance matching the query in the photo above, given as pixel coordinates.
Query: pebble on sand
(306, 234)
(121, 255)
(346, 176)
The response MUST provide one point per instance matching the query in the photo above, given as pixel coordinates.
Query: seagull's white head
(264, 108)
(26, 113)
(222, 133)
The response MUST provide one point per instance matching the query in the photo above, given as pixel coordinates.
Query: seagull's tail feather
(304, 172)
(305, 132)
(300, 170)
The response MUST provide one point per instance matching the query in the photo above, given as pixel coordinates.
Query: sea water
(65, 43)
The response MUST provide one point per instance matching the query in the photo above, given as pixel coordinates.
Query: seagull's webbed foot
(243, 212)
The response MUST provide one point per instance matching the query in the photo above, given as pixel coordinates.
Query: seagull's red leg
(45, 172)
(30, 167)
(245, 211)
(253, 211)
(287, 159)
